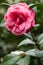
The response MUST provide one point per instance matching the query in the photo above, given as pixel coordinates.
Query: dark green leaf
(24, 61)
(40, 37)
(35, 53)
(29, 35)
(36, 25)
(26, 41)
(41, 42)
(2, 24)
(11, 61)
(8, 57)
(5, 4)
(35, 4)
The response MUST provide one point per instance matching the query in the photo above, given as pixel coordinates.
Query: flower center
(19, 20)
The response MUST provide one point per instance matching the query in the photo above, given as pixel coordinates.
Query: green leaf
(24, 61)
(5, 4)
(35, 4)
(8, 57)
(40, 37)
(29, 35)
(35, 53)
(41, 42)
(31, 52)
(35, 9)
(26, 41)
(36, 25)
(2, 24)
(11, 61)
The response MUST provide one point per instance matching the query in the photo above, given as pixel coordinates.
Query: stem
(28, 35)
(36, 42)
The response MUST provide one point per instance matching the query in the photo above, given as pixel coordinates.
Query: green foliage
(31, 43)
(26, 42)
(35, 52)
(24, 61)
(40, 37)
(11, 61)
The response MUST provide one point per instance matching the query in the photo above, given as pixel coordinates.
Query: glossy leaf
(35, 53)
(26, 42)
(24, 61)
(40, 37)
(11, 61)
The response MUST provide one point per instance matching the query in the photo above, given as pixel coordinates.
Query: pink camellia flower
(19, 18)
